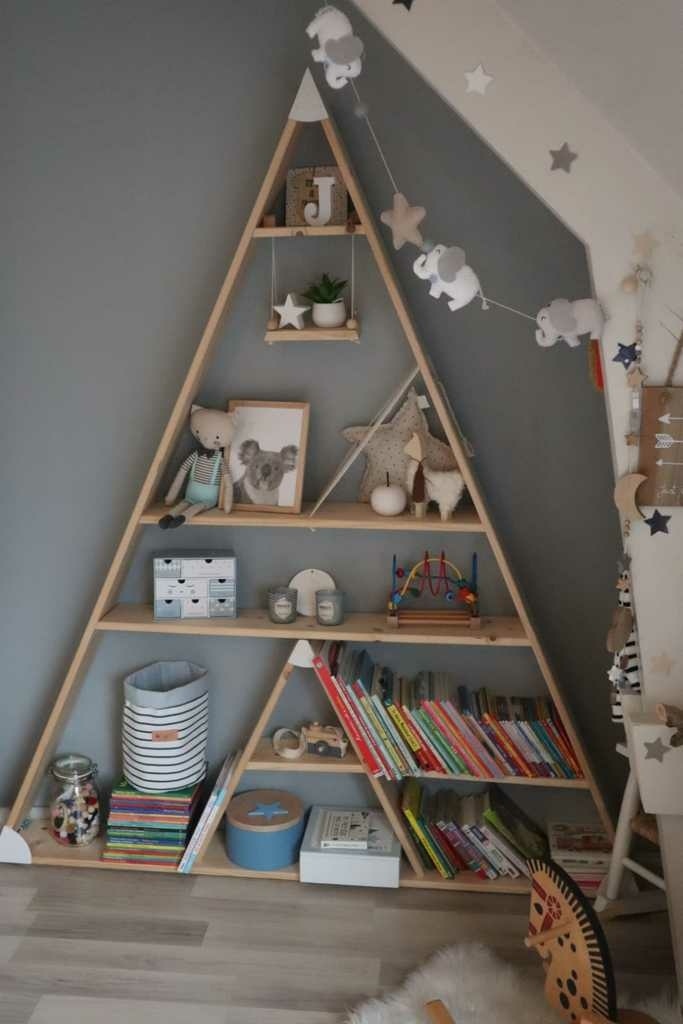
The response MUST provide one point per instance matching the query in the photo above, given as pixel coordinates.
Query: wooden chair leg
(437, 1012)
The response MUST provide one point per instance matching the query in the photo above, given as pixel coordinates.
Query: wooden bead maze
(438, 577)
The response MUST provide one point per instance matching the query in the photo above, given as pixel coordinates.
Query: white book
(214, 806)
(345, 830)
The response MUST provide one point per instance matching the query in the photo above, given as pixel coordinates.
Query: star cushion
(384, 453)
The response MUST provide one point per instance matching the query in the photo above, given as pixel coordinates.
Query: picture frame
(268, 455)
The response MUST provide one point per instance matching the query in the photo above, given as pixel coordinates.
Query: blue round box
(264, 829)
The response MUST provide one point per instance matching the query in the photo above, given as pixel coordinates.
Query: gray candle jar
(282, 604)
(329, 607)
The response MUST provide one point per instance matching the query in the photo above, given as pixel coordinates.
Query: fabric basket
(165, 726)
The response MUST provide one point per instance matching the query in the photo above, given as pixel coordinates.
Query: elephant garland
(568, 320)
(338, 49)
(448, 272)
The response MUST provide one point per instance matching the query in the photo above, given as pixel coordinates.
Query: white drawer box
(194, 608)
(166, 588)
(209, 568)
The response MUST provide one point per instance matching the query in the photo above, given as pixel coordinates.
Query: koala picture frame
(268, 455)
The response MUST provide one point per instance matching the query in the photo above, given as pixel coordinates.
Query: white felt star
(291, 311)
(403, 220)
(478, 80)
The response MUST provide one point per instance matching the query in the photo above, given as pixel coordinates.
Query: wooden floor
(82, 946)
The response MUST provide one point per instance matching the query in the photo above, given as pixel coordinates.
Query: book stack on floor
(432, 725)
(486, 833)
(584, 851)
(149, 828)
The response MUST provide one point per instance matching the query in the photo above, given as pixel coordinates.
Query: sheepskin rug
(478, 988)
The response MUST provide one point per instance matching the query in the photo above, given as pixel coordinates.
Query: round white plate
(307, 582)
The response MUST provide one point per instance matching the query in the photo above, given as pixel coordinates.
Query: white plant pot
(329, 314)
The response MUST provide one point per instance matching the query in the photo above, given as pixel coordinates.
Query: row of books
(487, 833)
(149, 828)
(411, 727)
(213, 808)
(584, 851)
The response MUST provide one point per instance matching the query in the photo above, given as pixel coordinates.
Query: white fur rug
(478, 988)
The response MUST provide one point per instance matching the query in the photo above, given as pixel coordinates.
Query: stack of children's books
(149, 828)
(584, 851)
(432, 725)
(486, 833)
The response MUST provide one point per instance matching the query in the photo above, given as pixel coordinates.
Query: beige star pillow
(384, 453)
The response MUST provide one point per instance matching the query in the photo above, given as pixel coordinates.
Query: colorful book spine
(334, 691)
(408, 734)
(436, 762)
(453, 765)
(522, 768)
(443, 724)
(395, 736)
(387, 765)
(410, 808)
(486, 765)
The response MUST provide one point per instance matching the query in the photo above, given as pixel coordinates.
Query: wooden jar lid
(261, 810)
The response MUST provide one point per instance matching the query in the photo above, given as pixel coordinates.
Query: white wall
(611, 194)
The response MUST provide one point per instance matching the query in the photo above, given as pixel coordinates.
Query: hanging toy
(338, 49)
(567, 320)
(622, 642)
(447, 271)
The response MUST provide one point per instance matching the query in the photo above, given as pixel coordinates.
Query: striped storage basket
(165, 726)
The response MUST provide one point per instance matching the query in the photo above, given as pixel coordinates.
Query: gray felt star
(656, 750)
(563, 158)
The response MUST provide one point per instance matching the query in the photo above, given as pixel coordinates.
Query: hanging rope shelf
(294, 307)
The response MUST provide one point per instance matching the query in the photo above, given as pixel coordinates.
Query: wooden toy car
(325, 740)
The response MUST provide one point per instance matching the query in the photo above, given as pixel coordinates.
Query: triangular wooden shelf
(21, 843)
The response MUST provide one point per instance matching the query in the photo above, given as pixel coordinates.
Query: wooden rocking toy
(567, 934)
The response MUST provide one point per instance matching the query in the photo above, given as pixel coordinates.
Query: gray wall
(139, 134)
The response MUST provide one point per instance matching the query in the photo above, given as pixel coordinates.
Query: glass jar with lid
(74, 801)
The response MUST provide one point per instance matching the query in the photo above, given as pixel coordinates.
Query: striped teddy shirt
(203, 466)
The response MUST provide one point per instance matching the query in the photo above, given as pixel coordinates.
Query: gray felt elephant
(338, 49)
(448, 272)
(567, 320)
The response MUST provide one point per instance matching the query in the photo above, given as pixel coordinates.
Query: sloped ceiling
(626, 56)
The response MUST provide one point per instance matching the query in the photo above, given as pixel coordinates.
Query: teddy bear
(206, 469)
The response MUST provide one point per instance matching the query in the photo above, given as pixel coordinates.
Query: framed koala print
(268, 455)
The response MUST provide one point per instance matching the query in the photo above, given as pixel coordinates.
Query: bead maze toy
(441, 578)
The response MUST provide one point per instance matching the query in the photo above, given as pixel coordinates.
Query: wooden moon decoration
(625, 495)
(565, 931)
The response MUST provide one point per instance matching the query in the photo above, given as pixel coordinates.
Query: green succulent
(326, 290)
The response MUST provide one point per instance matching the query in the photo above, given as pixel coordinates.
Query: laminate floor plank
(115, 947)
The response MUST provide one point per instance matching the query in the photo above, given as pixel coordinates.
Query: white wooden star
(291, 311)
(478, 80)
(403, 220)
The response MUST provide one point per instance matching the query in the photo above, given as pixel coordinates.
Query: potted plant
(329, 308)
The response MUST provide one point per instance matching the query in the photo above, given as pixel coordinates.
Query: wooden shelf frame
(333, 515)
(312, 334)
(308, 107)
(307, 231)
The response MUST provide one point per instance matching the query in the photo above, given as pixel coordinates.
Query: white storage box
(195, 585)
(378, 866)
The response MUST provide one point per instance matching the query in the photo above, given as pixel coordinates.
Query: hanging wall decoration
(567, 321)
(658, 523)
(562, 158)
(403, 220)
(477, 80)
(622, 642)
(447, 271)
(404, 3)
(338, 50)
(661, 439)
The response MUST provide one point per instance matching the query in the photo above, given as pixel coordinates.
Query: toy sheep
(445, 487)
(209, 483)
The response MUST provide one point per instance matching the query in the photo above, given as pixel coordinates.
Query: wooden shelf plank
(513, 780)
(465, 881)
(365, 627)
(45, 850)
(264, 759)
(306, 231)
(334, 515)
(313, 334)
(216, 862)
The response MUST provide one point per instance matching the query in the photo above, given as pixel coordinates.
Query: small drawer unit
(195, 585)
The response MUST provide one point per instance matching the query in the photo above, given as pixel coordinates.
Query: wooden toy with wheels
(440, 578)
(567, 934)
